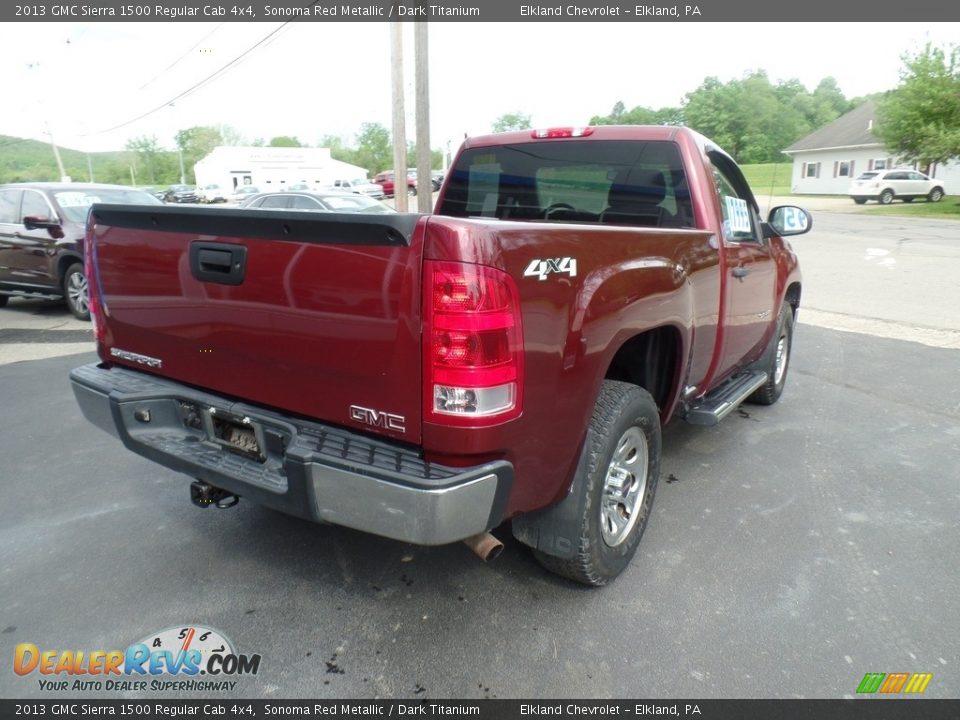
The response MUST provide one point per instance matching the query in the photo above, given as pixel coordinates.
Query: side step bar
(721, 402)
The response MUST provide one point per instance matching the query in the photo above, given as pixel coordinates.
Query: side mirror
(37, 222)
(786, 220)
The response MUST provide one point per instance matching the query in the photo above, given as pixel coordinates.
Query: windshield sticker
(76, 199)
(737, 214)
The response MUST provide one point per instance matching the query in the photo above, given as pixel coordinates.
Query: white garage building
(272, 168)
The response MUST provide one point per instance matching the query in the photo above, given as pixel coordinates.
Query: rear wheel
(886, 197)
(76, 291)
(859, 200)
(936, 195)
(3, 300)
(616, 484)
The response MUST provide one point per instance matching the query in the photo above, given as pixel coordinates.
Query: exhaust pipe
(485, 545)
(204, 495)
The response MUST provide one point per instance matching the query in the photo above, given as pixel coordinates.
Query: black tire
(624, 416)
(76, 292)
(935, 195)
(886, 197)
(3, 300)
(771, 391)
(859, 200)
(412, 191)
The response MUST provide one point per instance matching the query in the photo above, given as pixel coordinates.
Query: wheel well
(65, 262)
(792, 296)
(650, 361)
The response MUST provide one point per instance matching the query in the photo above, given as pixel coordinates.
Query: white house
(827, 159)
(272, 168)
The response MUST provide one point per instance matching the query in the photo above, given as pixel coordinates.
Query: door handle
(218, 262)
(740, 272)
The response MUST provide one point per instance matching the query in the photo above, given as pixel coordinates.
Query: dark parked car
(41, 238)
(317, 201)
(181, 194)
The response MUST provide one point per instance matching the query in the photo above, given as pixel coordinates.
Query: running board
(721, 402)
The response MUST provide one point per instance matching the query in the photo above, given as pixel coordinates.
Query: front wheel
(936, 195)
(615, 485)
(886, 197)
(776, 360)
(76, 291)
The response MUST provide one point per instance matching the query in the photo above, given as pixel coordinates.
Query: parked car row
(885, 186)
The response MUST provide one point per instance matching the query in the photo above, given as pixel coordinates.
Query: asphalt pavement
(792, 549)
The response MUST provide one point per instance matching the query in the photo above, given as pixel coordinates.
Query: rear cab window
(638, 183)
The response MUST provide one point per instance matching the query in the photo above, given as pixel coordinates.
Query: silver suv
(885, 186)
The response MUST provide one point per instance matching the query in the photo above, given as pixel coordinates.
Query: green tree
(374, 149)
(146, 154)
(285, 141)
(639, 116)
(196, 143)
(511, 121)
(920, 119)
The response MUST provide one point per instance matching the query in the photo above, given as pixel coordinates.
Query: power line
(171, 65)
(193, 88)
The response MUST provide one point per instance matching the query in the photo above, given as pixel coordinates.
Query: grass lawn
(946, 209)
(768, 178)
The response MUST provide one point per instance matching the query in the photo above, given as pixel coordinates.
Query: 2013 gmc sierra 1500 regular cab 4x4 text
(427, 377)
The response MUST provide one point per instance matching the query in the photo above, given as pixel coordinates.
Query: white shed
(271, 168)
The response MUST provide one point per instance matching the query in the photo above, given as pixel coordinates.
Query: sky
(80, 81)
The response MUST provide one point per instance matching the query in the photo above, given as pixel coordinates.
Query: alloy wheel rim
(624, 487)
(783, 347)
(78, 293)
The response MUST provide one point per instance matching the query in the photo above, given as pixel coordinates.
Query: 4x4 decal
(541, 268)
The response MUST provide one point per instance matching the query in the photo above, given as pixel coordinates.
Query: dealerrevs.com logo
(170, 660)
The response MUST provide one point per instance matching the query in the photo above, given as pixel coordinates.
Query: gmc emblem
(376, 418)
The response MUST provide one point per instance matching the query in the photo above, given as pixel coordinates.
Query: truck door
(751, 274)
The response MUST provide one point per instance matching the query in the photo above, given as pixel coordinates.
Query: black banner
(859, 709)
(637, 11)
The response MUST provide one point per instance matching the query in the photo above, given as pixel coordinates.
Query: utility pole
(424, 178)
(56, 154)
(399, 124)
(90, 167)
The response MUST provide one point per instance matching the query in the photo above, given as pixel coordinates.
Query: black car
(41, 238)
(181, 194)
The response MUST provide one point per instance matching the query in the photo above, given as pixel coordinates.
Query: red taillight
(563, 132)
(473, 344)
(93, 288)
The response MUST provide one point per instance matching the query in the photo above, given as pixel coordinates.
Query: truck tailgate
(314, 314)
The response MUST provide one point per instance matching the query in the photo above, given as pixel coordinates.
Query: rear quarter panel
(627, 281)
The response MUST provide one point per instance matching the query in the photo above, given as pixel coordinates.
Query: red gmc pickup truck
(427, 377)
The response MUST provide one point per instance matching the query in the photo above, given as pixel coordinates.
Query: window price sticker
(737, 214)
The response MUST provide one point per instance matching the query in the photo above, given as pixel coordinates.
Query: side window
(9, 206)
(738, 224)
(302, 202)
(274, 201)
(35, 205)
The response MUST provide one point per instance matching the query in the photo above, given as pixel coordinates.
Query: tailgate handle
(218, 262)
